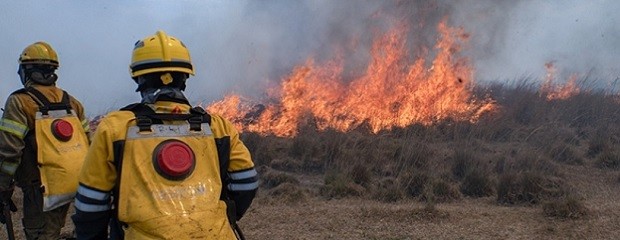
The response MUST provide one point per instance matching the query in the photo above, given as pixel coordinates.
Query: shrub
(597, 144)
(527, 161)
(305, 144)
(463, 161)
(413, 183)
(565, 154)
(443, 191)
(288, 193)
(273, 178)
(264, 148)
(361, 175)
(387, 190)
(286, 164)
(338, 185)
(567, 207)
(519, 188)
(609, 159)
(528, 187)
(478, 183)
(413, 154)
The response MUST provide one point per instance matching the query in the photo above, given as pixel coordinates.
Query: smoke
(270, 38)
(247, 46)
(509, 39)
(513, 39)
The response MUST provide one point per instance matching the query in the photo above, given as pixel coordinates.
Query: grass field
(534, 169)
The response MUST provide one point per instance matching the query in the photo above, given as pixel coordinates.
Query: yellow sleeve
(99, 171)
(79, 110)
(13, 130)
(240, 158)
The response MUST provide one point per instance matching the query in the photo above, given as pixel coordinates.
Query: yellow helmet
(160, 53)
(39, 53)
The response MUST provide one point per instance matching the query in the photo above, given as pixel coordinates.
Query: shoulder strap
(141, 111)
(44, 104)
(21, 90)
(146, 116)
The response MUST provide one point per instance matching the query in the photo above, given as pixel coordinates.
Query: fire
(558, 92)
(393, 91)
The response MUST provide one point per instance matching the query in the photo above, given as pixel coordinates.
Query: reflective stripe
(147, 61)
(85, 207)
(55, 114)
(52, 202)
(9, 167)
(244, 174)
(16, 128)
(242, 186)
(85, 125)
(168, 130)
(94, 194)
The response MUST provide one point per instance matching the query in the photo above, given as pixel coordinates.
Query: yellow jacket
(18, 156)
(120, 163)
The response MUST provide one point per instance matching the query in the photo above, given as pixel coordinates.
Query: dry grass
(536, 169)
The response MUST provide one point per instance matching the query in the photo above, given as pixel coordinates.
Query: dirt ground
(482, 218)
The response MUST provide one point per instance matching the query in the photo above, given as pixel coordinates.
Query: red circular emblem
(174, 159)
(62, 130)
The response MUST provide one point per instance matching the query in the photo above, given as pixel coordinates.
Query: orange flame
(391, 93)
(558, 92)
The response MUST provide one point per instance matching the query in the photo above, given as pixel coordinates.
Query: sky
(245, 46)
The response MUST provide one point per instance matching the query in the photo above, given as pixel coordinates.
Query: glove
(6, 201)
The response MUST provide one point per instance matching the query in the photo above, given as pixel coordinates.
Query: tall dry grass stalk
(517, 154)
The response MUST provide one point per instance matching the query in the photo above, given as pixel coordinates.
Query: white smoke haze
(247, 46)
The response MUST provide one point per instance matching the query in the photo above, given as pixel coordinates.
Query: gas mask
(43, 75)
(162, 86)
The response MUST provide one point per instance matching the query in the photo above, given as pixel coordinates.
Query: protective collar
(151, 95)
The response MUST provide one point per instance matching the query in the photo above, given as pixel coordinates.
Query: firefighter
(43, 141)
(160, 169)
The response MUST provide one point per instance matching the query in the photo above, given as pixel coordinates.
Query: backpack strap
(45, 105)
(146, 117)
(141, 111)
